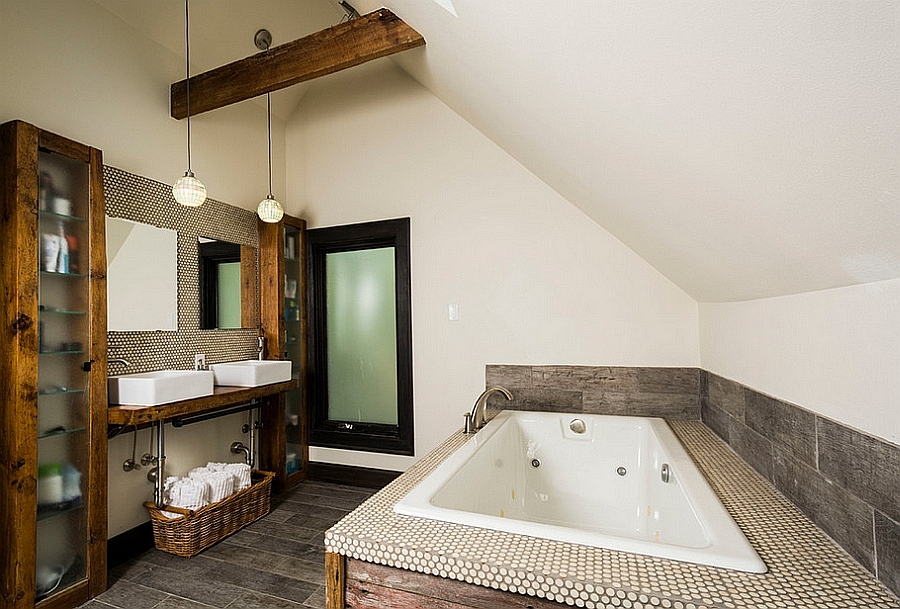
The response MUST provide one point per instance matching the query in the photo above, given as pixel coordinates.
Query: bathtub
(622, 483)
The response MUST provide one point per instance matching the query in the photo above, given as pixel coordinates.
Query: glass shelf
(60, 311)
(60, 432)
(61, 352)
(59, 392)
(54, 274)
(46, 512)
(53, 214)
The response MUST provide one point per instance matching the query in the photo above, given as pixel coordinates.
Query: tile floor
(277, 562)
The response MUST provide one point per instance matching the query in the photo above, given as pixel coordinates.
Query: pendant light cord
(269, 130)
(187, 72)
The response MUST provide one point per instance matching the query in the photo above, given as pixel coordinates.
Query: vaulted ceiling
(744, 149)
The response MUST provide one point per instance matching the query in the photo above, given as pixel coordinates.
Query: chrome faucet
(118, 360)
(476, 419)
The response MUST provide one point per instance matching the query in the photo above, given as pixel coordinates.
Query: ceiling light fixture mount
(269, 209)
(188, 190)
(263, 40)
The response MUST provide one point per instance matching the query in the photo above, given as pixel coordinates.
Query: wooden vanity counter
(222, 397)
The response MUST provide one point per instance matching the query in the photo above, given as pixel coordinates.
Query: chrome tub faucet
(477, 419)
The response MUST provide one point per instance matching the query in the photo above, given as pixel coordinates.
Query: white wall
(536, 281)
(74, 69)
(836, 352)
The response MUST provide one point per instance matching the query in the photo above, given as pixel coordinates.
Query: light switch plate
(453, 312)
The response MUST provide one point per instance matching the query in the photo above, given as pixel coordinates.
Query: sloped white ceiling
(745, 149)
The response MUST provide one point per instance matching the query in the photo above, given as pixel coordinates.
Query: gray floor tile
(176, 602)
(189, 586)
(296, 568)
(277, 562)
(128, 595)
(316, 599)
(255, 600)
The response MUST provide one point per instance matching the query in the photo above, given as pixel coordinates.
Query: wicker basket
(195, 530)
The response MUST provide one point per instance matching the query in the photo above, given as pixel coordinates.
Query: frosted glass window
(229, 301)
(361, 336)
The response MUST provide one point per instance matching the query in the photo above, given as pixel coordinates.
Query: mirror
(227, 284)
(141, 276)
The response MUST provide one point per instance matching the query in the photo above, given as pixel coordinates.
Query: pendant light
(269, 209)
(188, 190)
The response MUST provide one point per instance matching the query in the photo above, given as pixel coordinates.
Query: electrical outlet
(200, 361)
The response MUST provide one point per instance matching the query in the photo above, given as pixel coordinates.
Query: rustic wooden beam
(374, 35)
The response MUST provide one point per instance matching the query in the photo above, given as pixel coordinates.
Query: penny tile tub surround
(805, 570)
(845, 481)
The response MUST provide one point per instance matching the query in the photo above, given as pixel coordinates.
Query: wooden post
(335, 573)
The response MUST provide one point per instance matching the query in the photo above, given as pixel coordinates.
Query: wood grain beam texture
(374, 35)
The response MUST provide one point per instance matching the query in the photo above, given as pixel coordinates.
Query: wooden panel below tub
(371, 586)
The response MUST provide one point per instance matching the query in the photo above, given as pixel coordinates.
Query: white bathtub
(529, 473)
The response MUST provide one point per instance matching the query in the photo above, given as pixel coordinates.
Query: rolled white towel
(193, 494)
(241, 473)
(199, 473)
(216, 467)
(220, 485)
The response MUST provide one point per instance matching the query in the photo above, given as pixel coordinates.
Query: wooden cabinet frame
(19, 148)
(271, 293)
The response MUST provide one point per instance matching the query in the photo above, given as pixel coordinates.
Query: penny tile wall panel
(143, 200)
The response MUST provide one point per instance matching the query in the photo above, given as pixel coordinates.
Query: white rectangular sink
(252, 372)
(160, 387)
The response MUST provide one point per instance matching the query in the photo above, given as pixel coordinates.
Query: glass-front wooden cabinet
(295, 347)
(53, 396)
(284, 448)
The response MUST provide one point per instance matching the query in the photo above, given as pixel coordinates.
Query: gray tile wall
(143, 200)
(846, 481)
(672, 393)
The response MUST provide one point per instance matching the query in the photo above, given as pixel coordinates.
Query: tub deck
(805, 568)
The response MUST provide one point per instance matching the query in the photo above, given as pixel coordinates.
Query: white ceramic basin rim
(252, 372)
(160, 387)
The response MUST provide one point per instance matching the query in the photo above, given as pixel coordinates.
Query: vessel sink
(160, 387)
(252, 372)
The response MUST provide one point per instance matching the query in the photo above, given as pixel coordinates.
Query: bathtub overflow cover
(577, 426)
(621, 471)
(535, 463)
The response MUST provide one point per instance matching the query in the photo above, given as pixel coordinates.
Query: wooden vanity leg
(335, 572)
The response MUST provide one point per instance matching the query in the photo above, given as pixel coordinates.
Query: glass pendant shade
(270, 210)
(189, 191)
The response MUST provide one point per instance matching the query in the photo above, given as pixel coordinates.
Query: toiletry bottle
(72, 242)
(62, 263)
(45, 191)
(51, 252)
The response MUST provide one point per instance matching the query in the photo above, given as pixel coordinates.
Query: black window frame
(353, 435)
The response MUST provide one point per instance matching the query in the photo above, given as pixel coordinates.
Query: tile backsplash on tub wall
(143, 200)
(845, 481)
(672, 393)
